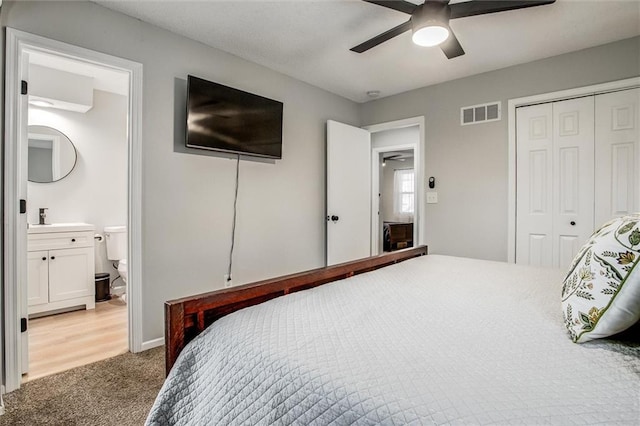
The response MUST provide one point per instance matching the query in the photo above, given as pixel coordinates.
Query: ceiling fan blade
(451, 46)
(399, 5)
(481, 7)
(363, 47)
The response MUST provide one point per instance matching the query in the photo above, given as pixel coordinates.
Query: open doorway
(77, 161)
(397, 176)
(396, 197)
(72, 177)
(354, 162)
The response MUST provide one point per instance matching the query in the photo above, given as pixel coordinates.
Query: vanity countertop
(60, 227)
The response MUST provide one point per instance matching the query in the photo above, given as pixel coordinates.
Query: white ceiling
(310, 39)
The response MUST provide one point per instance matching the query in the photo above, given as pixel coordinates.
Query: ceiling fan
(430, 21)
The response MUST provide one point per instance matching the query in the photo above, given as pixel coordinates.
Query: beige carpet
(118, 391)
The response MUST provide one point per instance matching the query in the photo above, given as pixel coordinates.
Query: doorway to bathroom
(76, 190)
(75, 117)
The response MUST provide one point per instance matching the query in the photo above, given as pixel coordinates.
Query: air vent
(480, 113)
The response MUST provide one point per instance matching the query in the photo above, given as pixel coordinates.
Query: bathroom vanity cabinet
(60, 267)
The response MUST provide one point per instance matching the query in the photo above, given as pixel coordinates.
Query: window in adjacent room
(404, 191)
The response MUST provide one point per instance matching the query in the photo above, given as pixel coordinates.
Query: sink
(60, 227)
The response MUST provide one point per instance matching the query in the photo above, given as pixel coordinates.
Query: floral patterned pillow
(601, 293)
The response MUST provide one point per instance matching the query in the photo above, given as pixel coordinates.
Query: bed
(423, 340)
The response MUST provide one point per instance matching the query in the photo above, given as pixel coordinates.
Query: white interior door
(21, 240)
(555, 181)
(573, 174)
(617, 177)
(348, 193)
(534, 197)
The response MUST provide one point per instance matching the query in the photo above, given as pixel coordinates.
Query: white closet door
(617, 154)
(534, 221)
(555, 181)
(573, 177)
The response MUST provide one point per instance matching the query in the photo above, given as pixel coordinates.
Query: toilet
(116, 237)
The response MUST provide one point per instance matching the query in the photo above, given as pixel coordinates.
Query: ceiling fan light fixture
(430, 23)
(430, 35)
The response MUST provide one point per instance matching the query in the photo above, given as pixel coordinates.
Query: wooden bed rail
(187, 317)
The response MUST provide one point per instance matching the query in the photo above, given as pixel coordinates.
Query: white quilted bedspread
(434, 340)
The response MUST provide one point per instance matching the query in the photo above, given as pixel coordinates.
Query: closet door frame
(597, 89)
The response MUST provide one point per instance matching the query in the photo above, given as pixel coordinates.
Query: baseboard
(150, 344)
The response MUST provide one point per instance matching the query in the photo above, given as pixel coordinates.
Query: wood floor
(64, 341)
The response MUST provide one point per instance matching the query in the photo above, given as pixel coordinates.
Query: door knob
(44, 258)
(53, 257)
(572, 223)
(73, 240)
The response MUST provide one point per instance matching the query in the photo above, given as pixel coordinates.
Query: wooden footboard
(187, 317)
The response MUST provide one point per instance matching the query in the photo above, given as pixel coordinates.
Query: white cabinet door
(71, 273)
(573, 174)
(38, 277)
(348, 193)
(534, 198)
(617, 154)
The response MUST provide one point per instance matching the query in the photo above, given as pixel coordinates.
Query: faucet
(43, 216)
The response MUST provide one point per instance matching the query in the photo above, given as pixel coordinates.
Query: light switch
(432, 197)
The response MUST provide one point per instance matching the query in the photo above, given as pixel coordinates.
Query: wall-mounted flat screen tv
(221, 118)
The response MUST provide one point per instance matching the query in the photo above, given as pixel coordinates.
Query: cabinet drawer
(59, 240)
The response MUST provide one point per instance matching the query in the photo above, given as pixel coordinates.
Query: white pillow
(601, 293)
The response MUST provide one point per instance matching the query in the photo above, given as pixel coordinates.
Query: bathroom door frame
(18, 44)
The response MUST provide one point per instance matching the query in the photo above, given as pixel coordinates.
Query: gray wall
(188, 199)
(470, 162)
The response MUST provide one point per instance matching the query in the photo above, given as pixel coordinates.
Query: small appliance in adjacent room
(116, 237)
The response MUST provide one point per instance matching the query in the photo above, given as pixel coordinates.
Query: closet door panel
(573, 177)
(568, 246)
(534, 226)
(617, 167)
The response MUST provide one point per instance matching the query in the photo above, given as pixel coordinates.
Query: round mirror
(51, 155)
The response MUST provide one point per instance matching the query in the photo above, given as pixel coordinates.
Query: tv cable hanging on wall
(235, 212)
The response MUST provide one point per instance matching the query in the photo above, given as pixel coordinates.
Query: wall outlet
(227, 281)
(432, 197)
